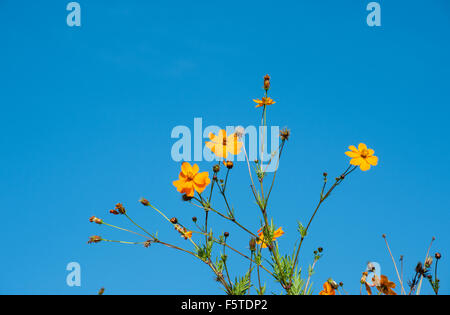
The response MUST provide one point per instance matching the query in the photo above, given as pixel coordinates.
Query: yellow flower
(261, 240)
(190, 180)
(222, 144)
(264, 101)
(362, 156)
(327, 289)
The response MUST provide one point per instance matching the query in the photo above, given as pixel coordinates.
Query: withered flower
(144, 201)
(94, 239)
(384, 286)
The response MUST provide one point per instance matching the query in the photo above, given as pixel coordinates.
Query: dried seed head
(239, 131)
(428, 262)
(438, 256)
(174, 220)
(320, 249)
(325, 174)
(228, 164)
(226, 234)
(194, 219)
(216, 168)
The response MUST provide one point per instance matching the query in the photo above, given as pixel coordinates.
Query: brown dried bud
(226, 234)
(101, 291)
(186, 198)
(325, 174)
(147, 243)
(145, 202)
(174, 220)
(228, 164)
(266, 82)
(438, 256)
(94, 239)
(320, 249)
(216, 168)
(194, 219)
(115, 212)
(333, 284)
(419, 268)
(252, 244)
(383, 236)
(120, 208)
(95, 220)
(285, 134)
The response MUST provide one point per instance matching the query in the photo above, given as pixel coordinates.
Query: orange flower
(190, 180)
(183, 231)
(261, 240)
(264, 101)
(327, 289)
(384, 285)
(362, 156)
(222, 144)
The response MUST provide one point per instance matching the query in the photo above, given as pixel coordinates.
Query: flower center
(190, 176)
(364, 153)
(224, 141)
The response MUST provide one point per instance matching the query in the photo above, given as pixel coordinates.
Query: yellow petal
(353, 148)
(356, 161)
(372, 160)
(365, 166)
(362, 146)
(195, 169)
(352, 154)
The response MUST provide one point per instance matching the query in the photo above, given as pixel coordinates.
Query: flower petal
(353, 148)
(356, 161)
(186, 168)
(364, 166)
(372, 160)
(362, 146)
(352, 154)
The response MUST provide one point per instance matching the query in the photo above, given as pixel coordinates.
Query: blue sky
(87, 115)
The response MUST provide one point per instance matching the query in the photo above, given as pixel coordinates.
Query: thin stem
(119, 228)
(395, 265)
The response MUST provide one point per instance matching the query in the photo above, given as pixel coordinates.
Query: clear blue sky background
(86, 117)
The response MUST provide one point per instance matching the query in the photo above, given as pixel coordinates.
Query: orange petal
(186, 168)
(195, 169)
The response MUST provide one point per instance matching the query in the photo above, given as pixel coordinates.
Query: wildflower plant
(209, 245)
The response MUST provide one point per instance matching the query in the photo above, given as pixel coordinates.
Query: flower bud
(266, 82)
(438, 256)
(228, 164)
(144, 201)
(428, 262)
(285, 134)
(174, 220)
(216, 168)
(194, 219)
(252, 244)
(226, 234)
(95, 220)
